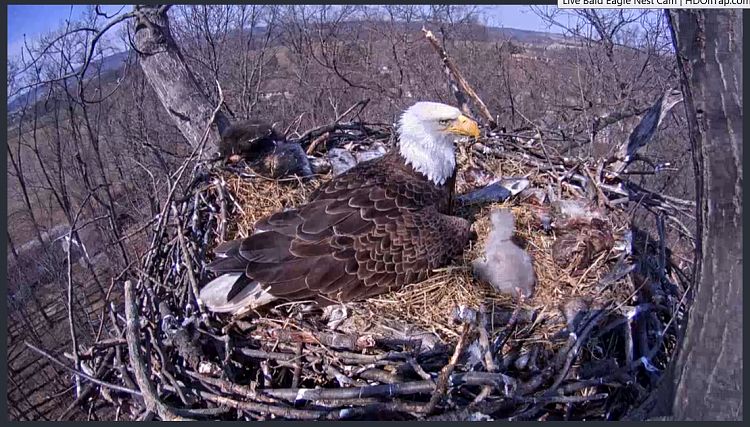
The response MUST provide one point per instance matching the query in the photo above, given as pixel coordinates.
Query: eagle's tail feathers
(230, 293)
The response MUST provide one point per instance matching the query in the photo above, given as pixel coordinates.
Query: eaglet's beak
(464, 126)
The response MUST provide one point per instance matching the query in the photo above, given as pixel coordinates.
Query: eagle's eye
(444, 122)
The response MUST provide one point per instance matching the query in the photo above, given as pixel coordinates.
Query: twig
(445, 373)
(627, 328)
(265, 370)
(293, 122)
(106, 306)
(219, 183)
(105, 344)
(573, 353)
(157, 239)
(126, 377)
(662, 247)
(133, 334)
(562, 399)
(535, 412)
(81, 374)
(342, 379)
(89, 389)
(470, 412)
(387, 390)
(73, 339)
(611, 380)
(228, 387)
(137, 231)
(584, 103)
(419, 370)
(333, 125)
(504, 335)
(297, 366)
(308, 414)
(489, 360)
(187, 259)
(92, 46)
(165, 369)
(381, 376)
(328, 339)
(484, 341)
(363, 103)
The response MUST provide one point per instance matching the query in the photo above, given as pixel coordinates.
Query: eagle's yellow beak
(464, 126)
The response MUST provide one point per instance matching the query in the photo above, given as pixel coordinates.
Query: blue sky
(515, 17)
(36, 20)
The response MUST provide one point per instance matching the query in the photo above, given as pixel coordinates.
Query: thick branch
(136, 360)
(165, 68)
(464, 87)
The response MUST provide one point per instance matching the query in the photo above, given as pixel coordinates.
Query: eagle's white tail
(214, 295)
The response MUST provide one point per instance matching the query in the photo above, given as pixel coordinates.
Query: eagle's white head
(427, 133)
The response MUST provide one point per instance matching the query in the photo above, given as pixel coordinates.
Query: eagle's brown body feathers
(375, 228)
(250, 139)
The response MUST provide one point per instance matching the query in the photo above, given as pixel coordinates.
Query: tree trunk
(165, 68)
(705, 379)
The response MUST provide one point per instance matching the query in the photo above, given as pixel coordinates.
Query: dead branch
(92, 48)
(88, 391)
(334, 124)
(573, 353)
(74, 340)
(187, 259)
(460, 83)
(81, 374)
(136, 360)
(446, 372)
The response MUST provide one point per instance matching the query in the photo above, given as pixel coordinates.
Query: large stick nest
(588, 344)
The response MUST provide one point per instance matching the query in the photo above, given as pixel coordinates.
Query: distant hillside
(527, 36)
(112, 65)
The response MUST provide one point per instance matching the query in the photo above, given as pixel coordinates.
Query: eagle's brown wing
(366, 232)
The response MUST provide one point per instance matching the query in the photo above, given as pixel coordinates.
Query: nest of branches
(588, 344)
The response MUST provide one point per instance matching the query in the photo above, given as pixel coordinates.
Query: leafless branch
(136, 359)
(451, 69)
(79, 373)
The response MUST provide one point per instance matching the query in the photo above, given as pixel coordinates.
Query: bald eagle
(264, 149)
(380, 225)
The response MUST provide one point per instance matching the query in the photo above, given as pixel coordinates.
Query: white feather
(423, 144)
(214, 295)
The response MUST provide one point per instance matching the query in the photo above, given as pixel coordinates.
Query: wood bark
(175, 85)
(705, 378)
